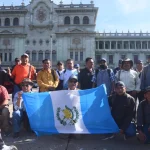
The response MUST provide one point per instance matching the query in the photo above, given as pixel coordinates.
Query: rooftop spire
(22, 3)
(61, 2)
(92, 2)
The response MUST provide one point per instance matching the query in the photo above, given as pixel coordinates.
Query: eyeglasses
(26, 85)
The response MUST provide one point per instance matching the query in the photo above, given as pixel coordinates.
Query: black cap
(119, 83)
(147, 89)
(59, 63)
(120, 61)
(139, 62)
(17, 59)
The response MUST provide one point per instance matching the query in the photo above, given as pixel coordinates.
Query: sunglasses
(25, 85)
(73, 81)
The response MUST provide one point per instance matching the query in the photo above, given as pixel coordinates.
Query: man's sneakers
(108, 137)
(5, 147)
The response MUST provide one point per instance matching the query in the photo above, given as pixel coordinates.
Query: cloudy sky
(120, 15)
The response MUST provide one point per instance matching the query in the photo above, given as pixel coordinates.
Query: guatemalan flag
(70, 111)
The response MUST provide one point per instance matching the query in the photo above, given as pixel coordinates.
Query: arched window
(85, 20)
(7, 22)
(54, 55)
(76, 20)
(47, 55)
(16, 22)
(67, 20)
(34, 56)
(40, 56)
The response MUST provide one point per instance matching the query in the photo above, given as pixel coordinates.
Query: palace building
(58, 32)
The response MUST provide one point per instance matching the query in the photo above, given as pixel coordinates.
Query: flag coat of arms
(70, 111)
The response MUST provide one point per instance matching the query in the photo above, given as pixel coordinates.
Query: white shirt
(130, 79)
(65, 76)
(16, 107)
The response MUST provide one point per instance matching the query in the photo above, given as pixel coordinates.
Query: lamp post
(51, 51)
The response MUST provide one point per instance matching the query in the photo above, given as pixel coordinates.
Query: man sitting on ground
(122, 109)
(143, 118)
(20, 113)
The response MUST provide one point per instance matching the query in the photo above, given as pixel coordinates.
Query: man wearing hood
(104, 75)
(129, 77)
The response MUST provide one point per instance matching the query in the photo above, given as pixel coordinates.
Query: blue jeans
(17, 119)
(131, 130)
(16, 89)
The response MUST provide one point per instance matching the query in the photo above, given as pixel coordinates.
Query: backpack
(60, 85)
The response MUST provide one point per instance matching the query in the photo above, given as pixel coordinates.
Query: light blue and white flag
(70, 111)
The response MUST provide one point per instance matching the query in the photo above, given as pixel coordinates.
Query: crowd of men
(125, 86)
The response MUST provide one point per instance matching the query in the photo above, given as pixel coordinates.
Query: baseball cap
(119, 83)
(139, 62)
(76, 66)
(27, 80)
(103, 59)
(120, 61)
(147, 89)
(25, 54)
(17, 59)
(59, 63)
(73, 77)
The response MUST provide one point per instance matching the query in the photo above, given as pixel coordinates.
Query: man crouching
(123, 110)
(20, 113)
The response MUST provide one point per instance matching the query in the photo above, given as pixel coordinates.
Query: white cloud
(129, 6)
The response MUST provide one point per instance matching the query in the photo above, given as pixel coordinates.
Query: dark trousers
(140, 96)
(1, 140)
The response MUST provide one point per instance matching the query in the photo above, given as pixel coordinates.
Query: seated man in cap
(104, 75)
(20, 113)
(122, 109)
(24, 70)
(129, 77)
(73, 83)
(143, 118)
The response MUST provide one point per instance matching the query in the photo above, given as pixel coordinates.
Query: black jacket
(122, 109)
(143, 114)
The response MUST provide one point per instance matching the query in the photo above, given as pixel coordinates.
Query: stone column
(104, 44)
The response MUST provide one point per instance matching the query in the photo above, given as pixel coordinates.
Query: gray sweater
(145, 77)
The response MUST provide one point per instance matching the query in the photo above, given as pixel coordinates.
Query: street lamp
(51, 51)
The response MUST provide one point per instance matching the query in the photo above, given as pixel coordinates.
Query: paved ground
(28, 141)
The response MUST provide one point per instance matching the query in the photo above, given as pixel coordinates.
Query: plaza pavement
(29, 141)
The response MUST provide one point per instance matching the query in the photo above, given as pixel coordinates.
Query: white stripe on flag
(68, 101)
